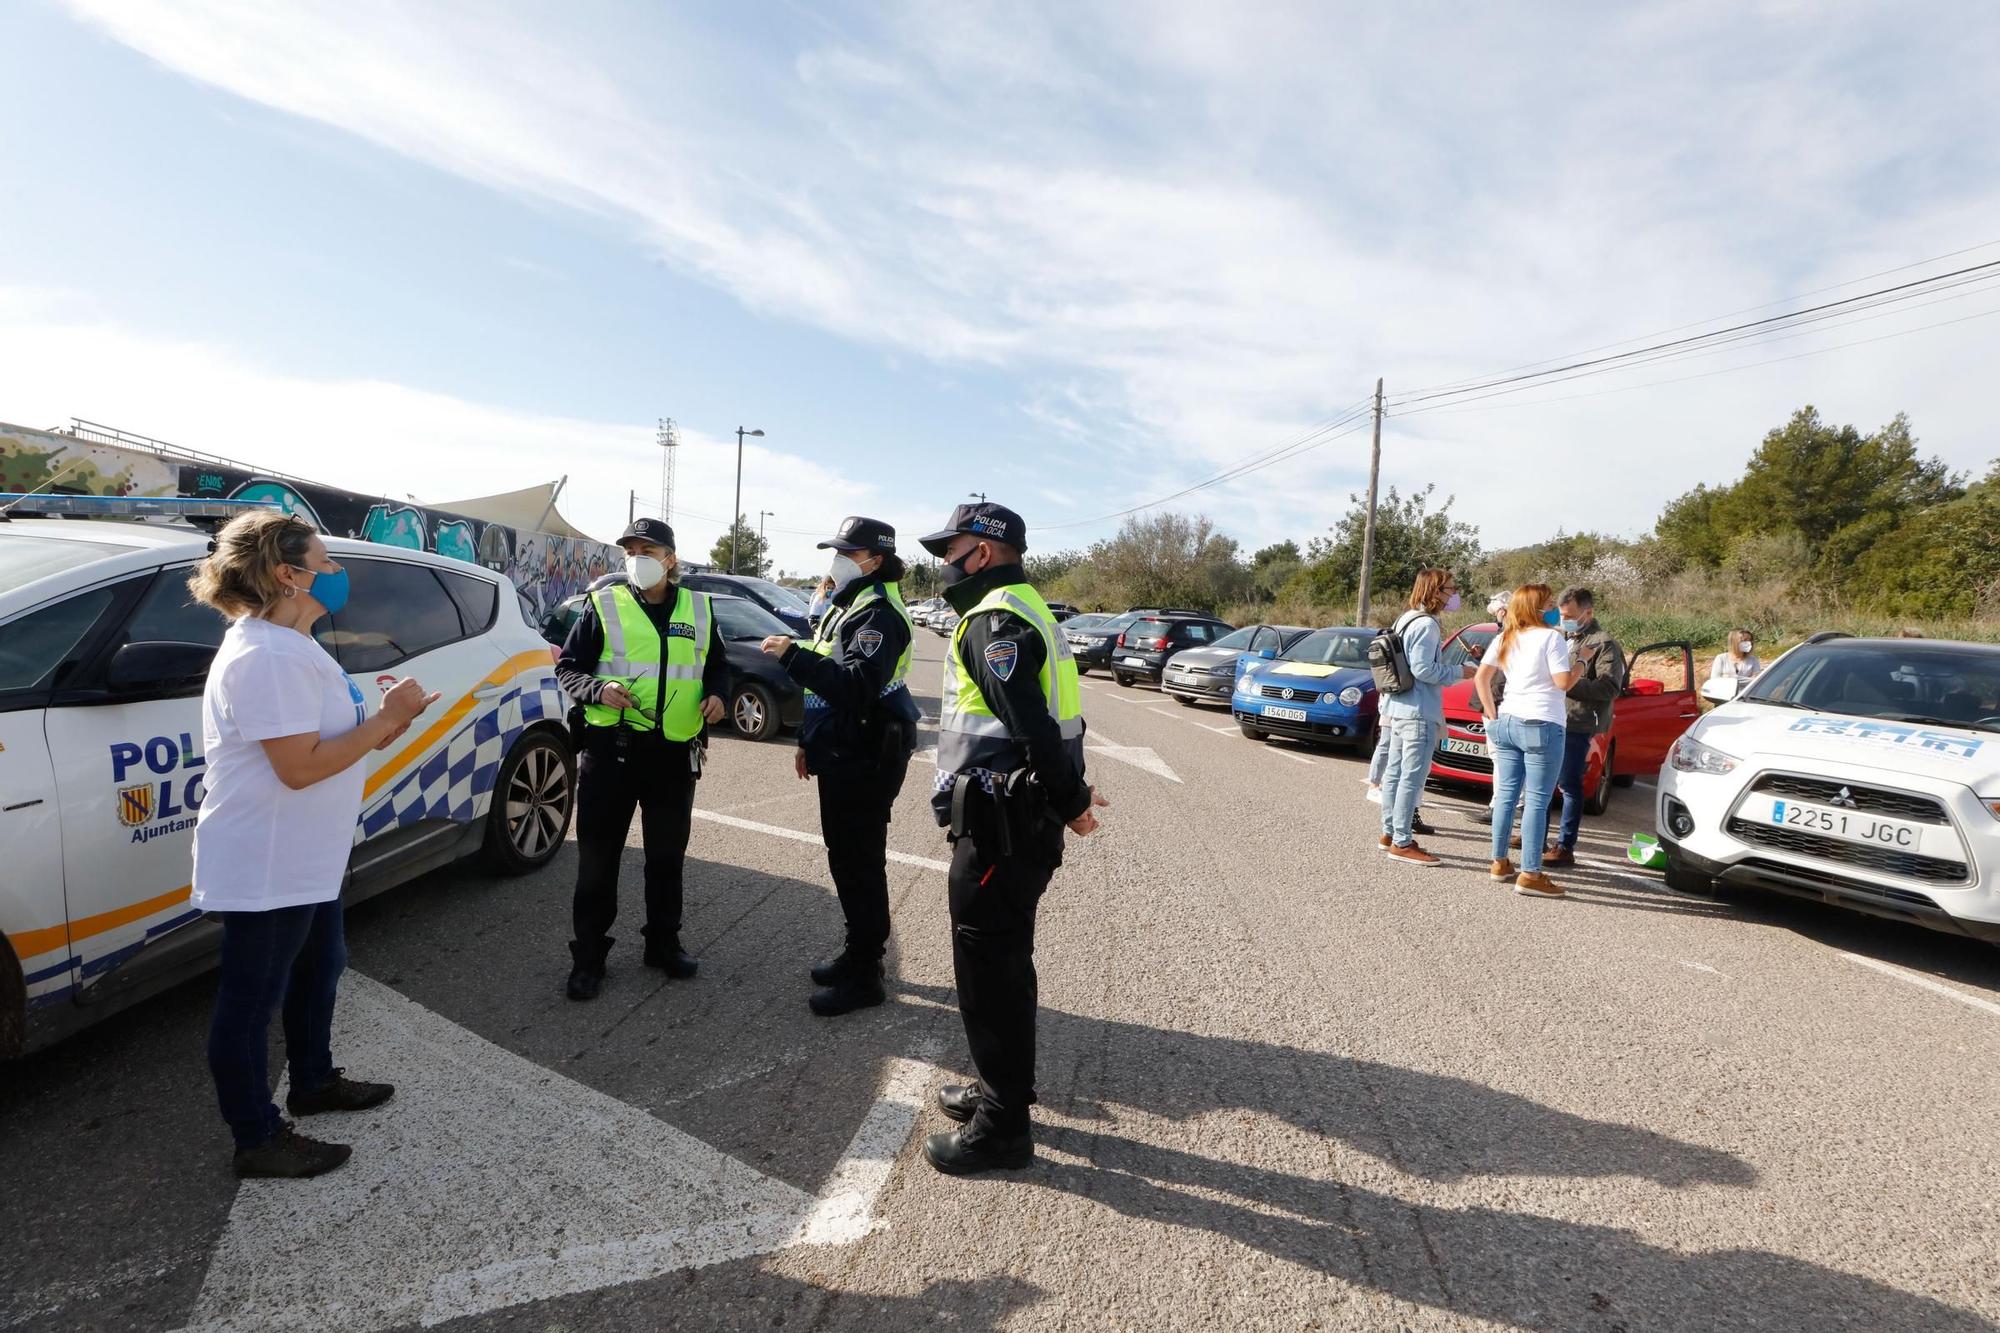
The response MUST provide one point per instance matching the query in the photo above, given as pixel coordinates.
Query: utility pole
(736, 511)
(1368, 525)
(763, 514)
(631, 507)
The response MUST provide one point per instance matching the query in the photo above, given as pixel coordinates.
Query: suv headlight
(1691, 756)
(1349, 696)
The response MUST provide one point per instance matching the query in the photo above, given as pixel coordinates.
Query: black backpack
(1389, 661)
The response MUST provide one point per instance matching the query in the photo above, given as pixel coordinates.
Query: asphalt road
(1285, 1083)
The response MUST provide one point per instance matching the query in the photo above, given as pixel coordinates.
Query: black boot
(290, 1156)
(586, 973)
(670, 958)
(859, 987)
(340, 1094)
(830, 971)
(963, 1152)
(959, 1103)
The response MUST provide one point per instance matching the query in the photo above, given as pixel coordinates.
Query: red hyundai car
(1648, 719)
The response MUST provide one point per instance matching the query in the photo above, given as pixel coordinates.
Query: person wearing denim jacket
(1414, 718)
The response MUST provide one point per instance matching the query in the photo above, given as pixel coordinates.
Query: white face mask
(1748, 646)
(644, 571)
(844, 571)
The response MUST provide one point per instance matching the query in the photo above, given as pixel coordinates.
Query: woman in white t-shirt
(284, 731)
(1525, 731)
(1739, 663)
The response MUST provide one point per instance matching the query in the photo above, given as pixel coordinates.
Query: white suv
(102, 660)
(1861, 772)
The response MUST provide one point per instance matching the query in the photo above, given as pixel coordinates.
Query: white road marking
(797, 835)
(1641, 782)
(1616, 871)
(1702, 967)
(1295, 758)
(1938, 987)
(1138, 756)
(1225, 731)
(491, 1181)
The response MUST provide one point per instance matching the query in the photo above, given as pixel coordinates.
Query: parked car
(1208, 674)
(1145, 645)
(1062, 611)
(1864, 773)
(1318, 689)
(763, 698)
(1094, 646)
(779, 600)
(1644, 723)
(1087, 620)
(103, 657)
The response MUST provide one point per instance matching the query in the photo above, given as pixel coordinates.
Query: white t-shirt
(258, 844)
(1532, 693)
(1725, 666)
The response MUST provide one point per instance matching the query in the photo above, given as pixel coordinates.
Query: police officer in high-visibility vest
(645, 662)
(1009, 780)
(859, 728)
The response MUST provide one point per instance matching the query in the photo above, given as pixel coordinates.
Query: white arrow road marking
(1935, 987)
(1138, 756)
(491, 1181)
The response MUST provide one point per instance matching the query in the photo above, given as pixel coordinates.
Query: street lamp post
(736, 513)
(763, 514)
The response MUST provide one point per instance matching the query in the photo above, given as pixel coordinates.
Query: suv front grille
(1934, 869)
(1871, 800)
(1907, 898)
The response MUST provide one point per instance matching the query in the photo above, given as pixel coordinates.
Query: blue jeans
(1379, 761)
(1576, 754)
(1526, 755)
(1411, 742)
(290, 955)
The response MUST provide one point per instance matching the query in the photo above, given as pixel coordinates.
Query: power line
(1598, 364)
(1764, 305)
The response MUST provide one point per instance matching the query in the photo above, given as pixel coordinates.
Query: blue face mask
(330, 590)
(1552, 617)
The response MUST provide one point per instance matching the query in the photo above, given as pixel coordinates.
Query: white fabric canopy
(521, 509)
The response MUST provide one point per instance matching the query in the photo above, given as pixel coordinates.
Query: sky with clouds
(1072, 254)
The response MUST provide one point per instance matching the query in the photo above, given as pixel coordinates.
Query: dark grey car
(1207, 674)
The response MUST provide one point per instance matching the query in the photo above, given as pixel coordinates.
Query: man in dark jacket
(1600, 679)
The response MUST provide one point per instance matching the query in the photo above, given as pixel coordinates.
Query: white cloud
(390, 439)
(1192, 230)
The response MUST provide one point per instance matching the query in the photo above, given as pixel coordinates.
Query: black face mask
(954, 571)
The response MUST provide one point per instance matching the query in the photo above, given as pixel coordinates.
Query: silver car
(1208, 673)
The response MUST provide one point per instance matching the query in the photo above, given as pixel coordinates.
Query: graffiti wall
(546, 568)
(29, 458)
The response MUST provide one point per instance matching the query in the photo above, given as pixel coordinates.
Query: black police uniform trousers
(654, 775)
(854, 806)
(993, 903)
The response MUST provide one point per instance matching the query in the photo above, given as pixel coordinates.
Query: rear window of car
(25, 559)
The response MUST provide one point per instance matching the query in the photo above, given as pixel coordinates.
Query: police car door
(404, 618)
(125, 739)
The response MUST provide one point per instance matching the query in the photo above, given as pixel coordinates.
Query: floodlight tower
(669, 441)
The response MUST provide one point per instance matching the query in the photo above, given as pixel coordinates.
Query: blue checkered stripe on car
(455, 782)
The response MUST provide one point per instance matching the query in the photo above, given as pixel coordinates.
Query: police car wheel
(1682, 880)
(754, 713)
(533, 799)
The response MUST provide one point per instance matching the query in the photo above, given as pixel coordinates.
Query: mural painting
(29, 458)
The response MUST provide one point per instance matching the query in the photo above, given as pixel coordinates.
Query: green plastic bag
(1646, 851)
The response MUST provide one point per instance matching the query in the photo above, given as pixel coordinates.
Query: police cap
(648, 529)
(862, 534)
(996, 522)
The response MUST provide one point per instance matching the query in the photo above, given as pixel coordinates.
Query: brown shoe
(1559, 857)
(1413, 855)
(1515, 842)
(1502, 870)
(1534, 884)
(1387, 842)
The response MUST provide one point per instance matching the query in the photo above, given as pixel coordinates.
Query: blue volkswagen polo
(1319, 689)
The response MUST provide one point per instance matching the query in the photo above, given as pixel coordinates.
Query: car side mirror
(159, 665)
(1268, 654)
(1718, 691)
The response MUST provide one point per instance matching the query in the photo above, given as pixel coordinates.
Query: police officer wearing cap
(645, 664)
(859, 728)
(1009, 780)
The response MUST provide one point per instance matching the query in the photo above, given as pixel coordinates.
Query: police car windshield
(1330, 647)
(1941, 684)
(25, 559)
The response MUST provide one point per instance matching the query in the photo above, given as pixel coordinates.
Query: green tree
(1273, 567)
(751, 554)
(1410, 536)
(1943, 562)
(1159, 560)
(1686, 528)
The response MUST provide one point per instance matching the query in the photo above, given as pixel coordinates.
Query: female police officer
(859, 728)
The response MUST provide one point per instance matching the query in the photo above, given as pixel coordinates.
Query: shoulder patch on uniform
(1003, 657)
(867, 641)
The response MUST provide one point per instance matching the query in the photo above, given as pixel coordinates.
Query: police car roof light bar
(198, 511)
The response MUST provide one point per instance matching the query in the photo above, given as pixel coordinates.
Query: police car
(102, 660)
(1859, 772)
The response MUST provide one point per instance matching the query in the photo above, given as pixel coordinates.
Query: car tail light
(1159, 643)
(1121, 640)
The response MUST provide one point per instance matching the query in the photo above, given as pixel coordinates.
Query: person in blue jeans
(1412, 719)
(1525, 731)
(284, 731)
